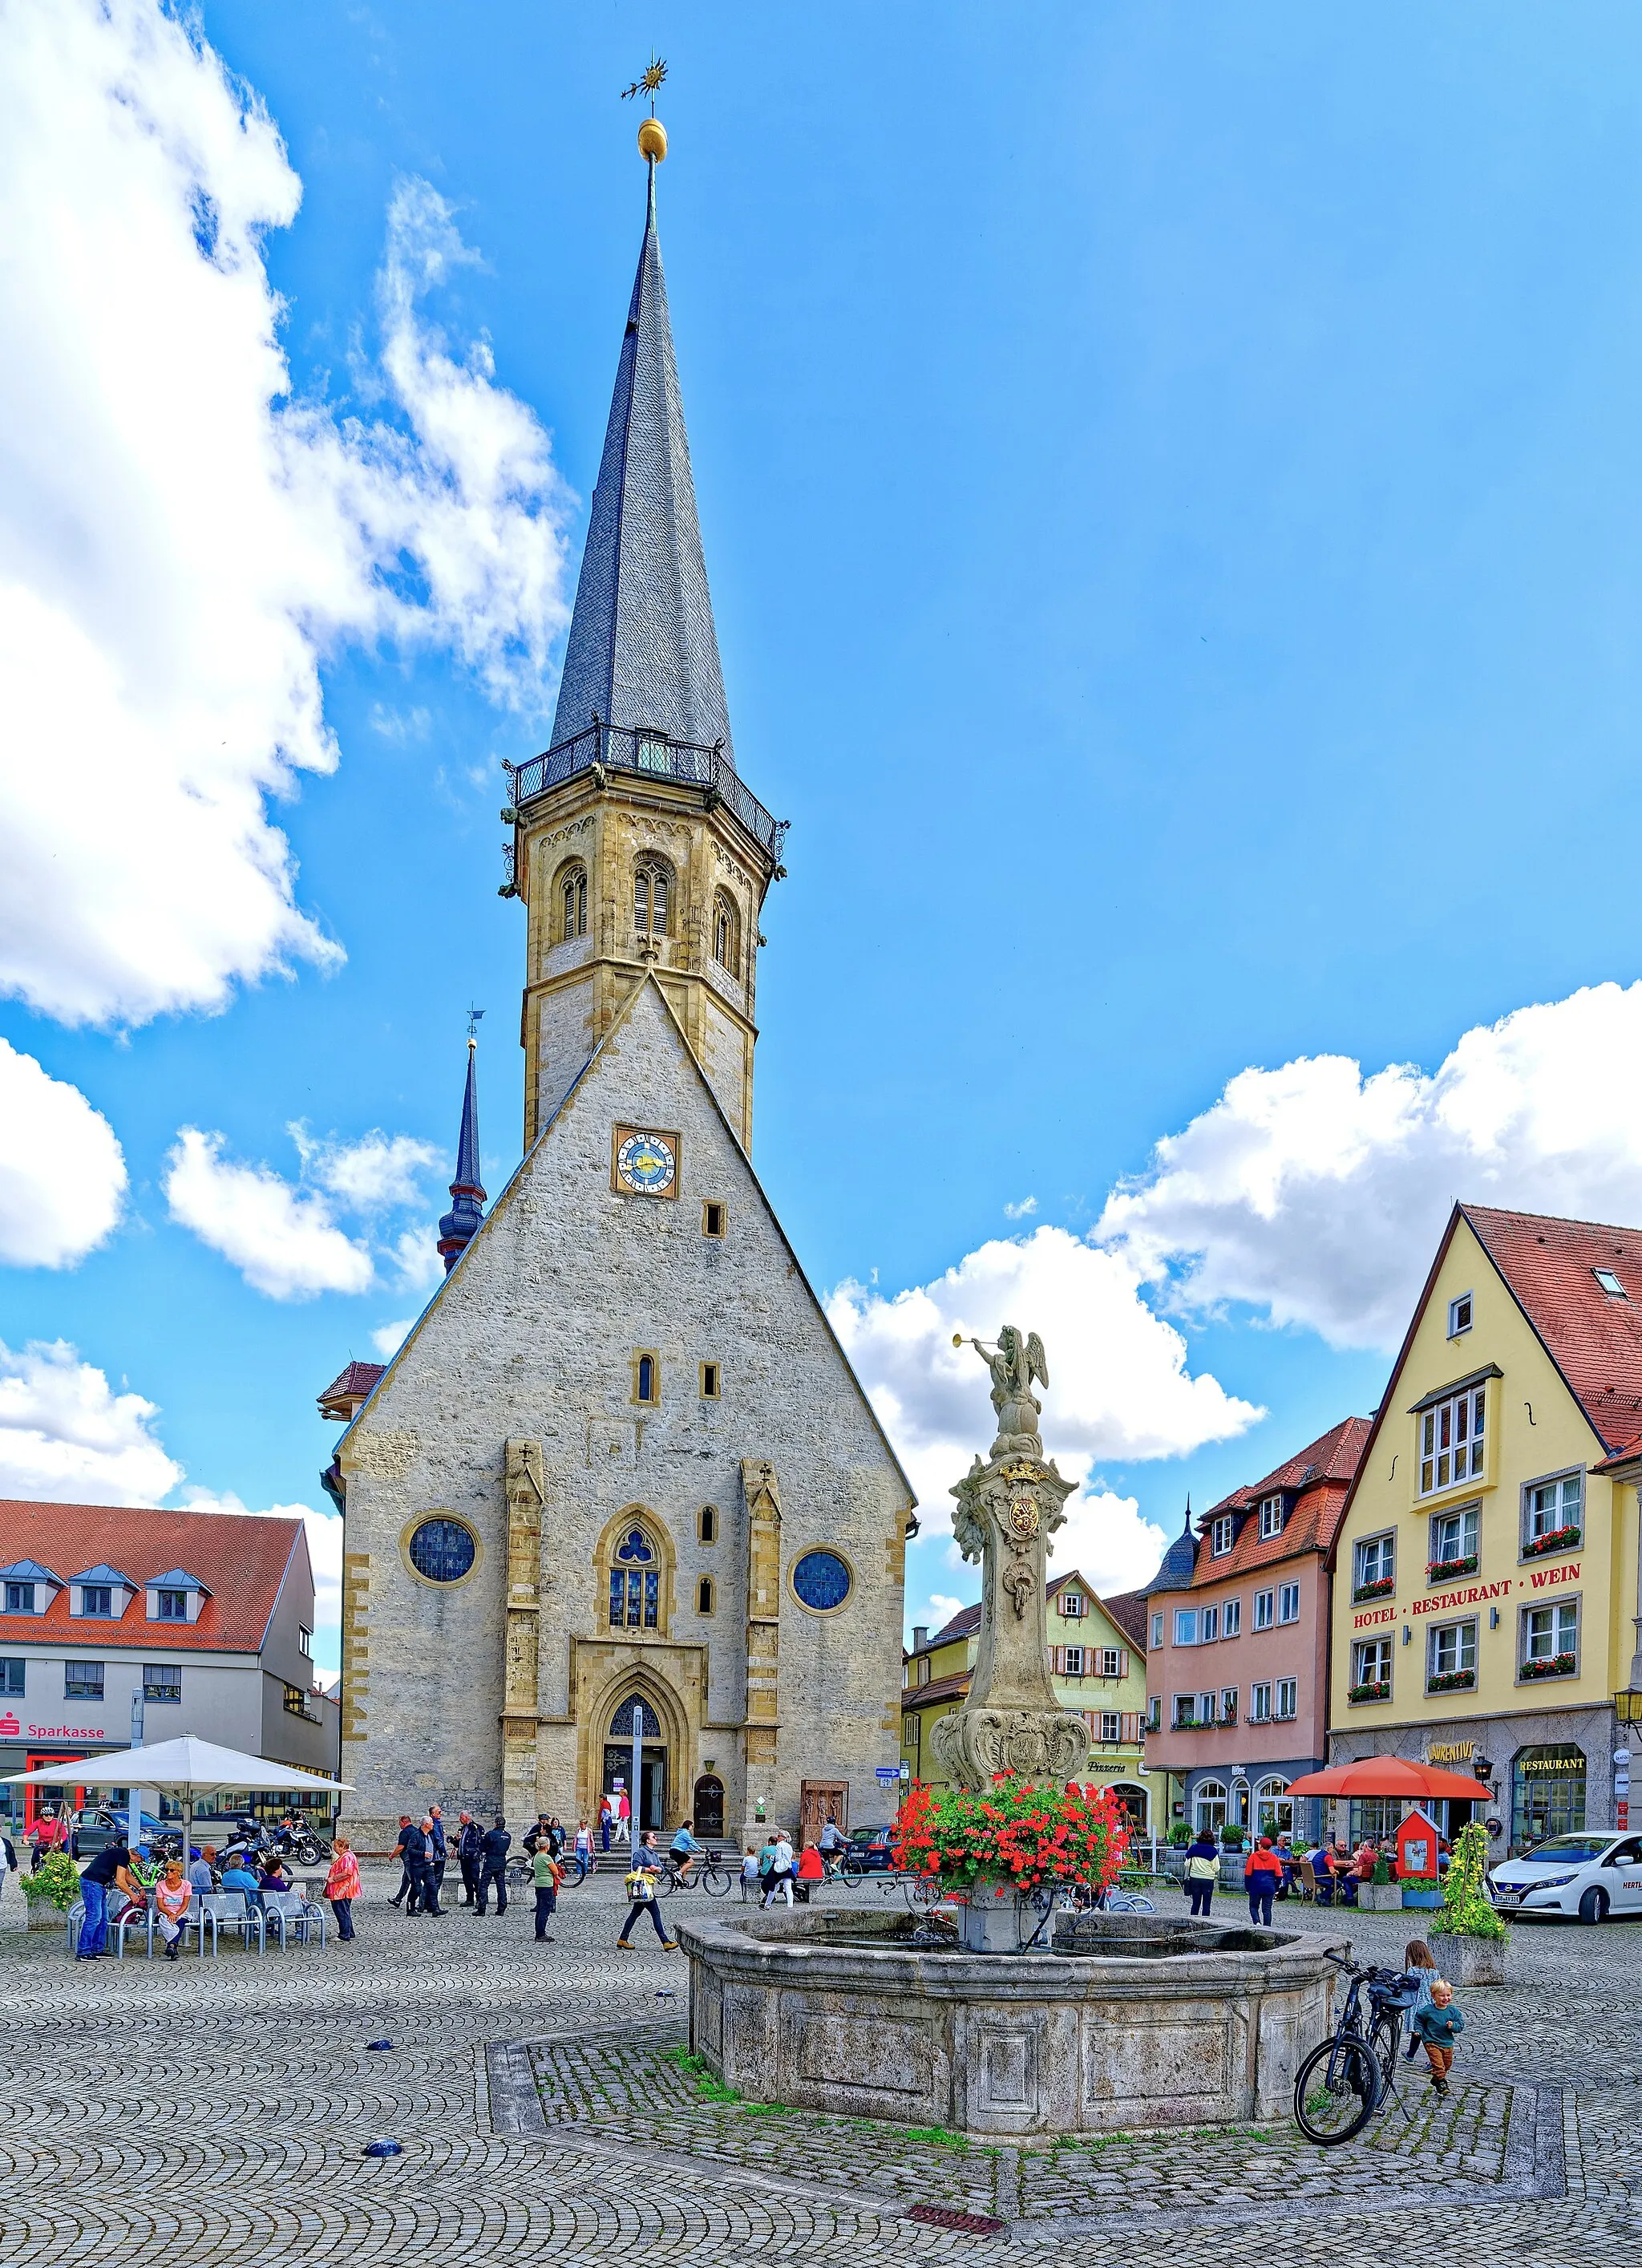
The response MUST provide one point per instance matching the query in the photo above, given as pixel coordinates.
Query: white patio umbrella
(186, 1768)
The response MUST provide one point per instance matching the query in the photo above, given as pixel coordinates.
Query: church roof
(643, 650)
(467, 1191)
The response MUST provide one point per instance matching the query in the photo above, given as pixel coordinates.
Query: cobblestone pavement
(196, 2112)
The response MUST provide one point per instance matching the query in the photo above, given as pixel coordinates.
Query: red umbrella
(1390, 1775)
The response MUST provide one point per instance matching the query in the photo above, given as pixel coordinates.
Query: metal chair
(200, 1920)
(289, 1911)
(134, 1914)
(228, 1910)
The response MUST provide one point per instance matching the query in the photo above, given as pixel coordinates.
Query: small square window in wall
(647, 1376)
(710, 1382)
(707, 1524)
(713, 1217)
(173, 1606)
(1460, 1315)
(162, 1681)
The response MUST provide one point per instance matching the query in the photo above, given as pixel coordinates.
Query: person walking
(1438, 2026)
(1202, 1871)
(1262, 1878)
(438, 1857)
(172, 1896)
(641, 1893)
(109, 1870)
(545, 1874)
(1419, 1963)
(494, 1866)
(468, 1839)
(411, 1849)
(623, 1825)
(606, 1820)
(780, 1878)
(341, 1887)
(405, 1888)
(584, 1842)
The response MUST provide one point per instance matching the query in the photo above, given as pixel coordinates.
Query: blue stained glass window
(822, 1579)
(634, 1550)
(442, 1551)
(621, 1723)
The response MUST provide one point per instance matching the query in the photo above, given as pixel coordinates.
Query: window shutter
(1123, 1662)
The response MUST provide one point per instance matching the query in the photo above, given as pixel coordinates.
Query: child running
(1438, 2026)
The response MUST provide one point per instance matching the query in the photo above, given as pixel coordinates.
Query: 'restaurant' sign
(1474, 1594)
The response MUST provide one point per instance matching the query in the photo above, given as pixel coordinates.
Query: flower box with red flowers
(1377, 1688)
(1451, 1681)
(1013, 1831)
(1449, 1571)
(1554, 1539)
(1549, 1665)
(1382, 1589)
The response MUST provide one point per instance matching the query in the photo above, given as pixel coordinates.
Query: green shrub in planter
(1179, 1835)
(1232, 1838)
(57, 1882)
(1383, 1873)
(1466, 1912)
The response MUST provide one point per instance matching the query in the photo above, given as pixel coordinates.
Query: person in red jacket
(1262, 1878)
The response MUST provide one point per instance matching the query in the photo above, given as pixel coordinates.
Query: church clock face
(646, 1162)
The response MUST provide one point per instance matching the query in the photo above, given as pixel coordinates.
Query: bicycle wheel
(667, 1881)
(1384, 2040)
(715, 1882)
(854, 1867)
(1337, 2092)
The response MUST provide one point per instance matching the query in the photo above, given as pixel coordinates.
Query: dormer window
(1610, 1283)
(97, 1598)
(99, 1594)
(19, 1598)
(171, 1606)
(1272, 1516)
(30, 1588)
(1072, 1604)
(176, 1596)
(1222, 1534)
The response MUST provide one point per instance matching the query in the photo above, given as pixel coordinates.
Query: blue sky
(1170, 484)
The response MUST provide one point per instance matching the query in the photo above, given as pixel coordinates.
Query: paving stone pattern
(198, 2112)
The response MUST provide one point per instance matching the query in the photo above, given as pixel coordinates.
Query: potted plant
(1381, 1893)
(1473, 1939)
(992, 1844)
(51, 1890)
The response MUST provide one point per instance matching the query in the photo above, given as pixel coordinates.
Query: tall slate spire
(467, 1191)
(642, 649)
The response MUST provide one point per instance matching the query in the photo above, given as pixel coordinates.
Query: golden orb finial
(652, 140)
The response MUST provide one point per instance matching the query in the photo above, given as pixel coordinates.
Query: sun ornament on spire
(652, 133)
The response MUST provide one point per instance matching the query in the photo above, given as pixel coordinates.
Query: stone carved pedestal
(1008, 1509)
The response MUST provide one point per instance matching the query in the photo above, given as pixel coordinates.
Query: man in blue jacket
(411, 1851)
(494, 1850)
(438, 1855)
(468, 1838)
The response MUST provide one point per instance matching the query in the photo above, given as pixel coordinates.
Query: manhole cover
(943, 2216)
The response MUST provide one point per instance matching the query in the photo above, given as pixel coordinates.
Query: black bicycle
(1344, 2080)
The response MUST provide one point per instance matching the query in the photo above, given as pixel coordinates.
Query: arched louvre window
(635, 1583)
(652, 889)
(726, 934)
(572, 904)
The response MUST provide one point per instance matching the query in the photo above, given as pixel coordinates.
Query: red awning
(1390, 1775)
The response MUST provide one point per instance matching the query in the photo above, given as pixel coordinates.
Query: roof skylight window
(1610, 1283)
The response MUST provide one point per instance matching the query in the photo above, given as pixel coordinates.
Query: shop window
(1208, 1803)
(1547, 1793)
(1273, 1812)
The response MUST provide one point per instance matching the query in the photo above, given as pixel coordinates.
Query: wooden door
(819, 1801)
(709, 1808)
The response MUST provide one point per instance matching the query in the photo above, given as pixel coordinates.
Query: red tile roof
(1131, 1621)
(349, 1387)
(1595, 1339)
(241, 1558)
(937, 1689)
(1318, 1477)
(1127, 1609)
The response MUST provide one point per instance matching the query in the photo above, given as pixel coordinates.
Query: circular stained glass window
(822, 1581)
(442, 1551)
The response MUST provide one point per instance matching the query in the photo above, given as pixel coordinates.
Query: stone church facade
(620, 1465)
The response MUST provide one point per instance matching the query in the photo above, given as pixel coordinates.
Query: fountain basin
(1129, 2021)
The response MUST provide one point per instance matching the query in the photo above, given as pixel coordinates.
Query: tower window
(709, 1381)
(652, 888)
(707, 1524)
(726, 934)
(712, 1218)
(647, 1377)
(572, 904)
(704, 1595)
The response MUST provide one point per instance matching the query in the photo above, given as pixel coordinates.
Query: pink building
(1238, 1660)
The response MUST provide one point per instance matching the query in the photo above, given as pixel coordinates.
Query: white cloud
(415, 1258)
(1317, 1193)
(66, 1436)
(62, 1176)
(1023, 1211)
(378, 1171)
(388, 1338)
(284, 1241)
(1119, 1384)
(941, 1610)
(182, 544)
(325, 1546)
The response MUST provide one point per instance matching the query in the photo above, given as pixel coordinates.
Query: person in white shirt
(780, 1873)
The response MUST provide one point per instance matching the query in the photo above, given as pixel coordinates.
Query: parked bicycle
(1344, 2080)
(521, 1870)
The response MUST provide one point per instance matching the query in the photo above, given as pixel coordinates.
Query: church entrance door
(819, 1801)
(618, 1766)
(709, 1814)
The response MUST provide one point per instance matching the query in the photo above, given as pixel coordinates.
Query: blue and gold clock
(646, 1162)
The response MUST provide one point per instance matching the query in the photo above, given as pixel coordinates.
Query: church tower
(635, 844)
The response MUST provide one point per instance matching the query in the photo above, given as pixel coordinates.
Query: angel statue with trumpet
(1014, 1362)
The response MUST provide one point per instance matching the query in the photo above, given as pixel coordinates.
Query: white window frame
(1112, 1724)
(1073, 1657)
(1158, 1629)
(1377, 1649)
(1468, 1521)
(1272, 1521)
(1287, 1700)
(1451, 1440)
(1208, 1795)
(1270, 1795)
(1264, 1609)
(1231, 1618)
(1609, 1285)
(1568, 1490)
(1111, 1663)
(1205, 1708)
(1558, 1609)
(1226, 1713)
(1183, 1711)
(1209, 1626)
(1155, 1713)
(1457, 1627)
(1222, 1535)
(1461, 1314)
(1287, 1602)
(1260, 1701)
(1384, 1563)
(1185, 1625)
(1072, 1604)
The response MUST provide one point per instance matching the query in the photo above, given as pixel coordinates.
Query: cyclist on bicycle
(831, 1844)
(685, 1851)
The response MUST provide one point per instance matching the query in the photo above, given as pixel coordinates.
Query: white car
(1586, 1876)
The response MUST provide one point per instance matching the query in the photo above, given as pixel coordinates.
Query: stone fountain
(995, 2026)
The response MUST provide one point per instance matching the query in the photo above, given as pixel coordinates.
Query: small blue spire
(467, 1191)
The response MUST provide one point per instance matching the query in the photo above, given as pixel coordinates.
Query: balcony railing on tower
(624, 748)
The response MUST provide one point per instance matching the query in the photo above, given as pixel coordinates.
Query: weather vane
(648, 82)
(476, 1017)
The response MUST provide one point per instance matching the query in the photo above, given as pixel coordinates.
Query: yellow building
(1098, 1665)
(1486, 1601)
